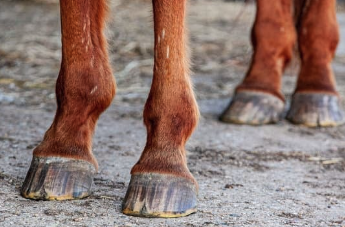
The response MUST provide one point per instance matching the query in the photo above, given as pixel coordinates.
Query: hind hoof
(253, 108)
(315, 110)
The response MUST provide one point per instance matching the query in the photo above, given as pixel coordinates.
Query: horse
(161, 184)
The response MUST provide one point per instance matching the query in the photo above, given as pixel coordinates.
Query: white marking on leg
(93, 90)
(163, 33)
(87, 44)
(168, 52)
(92, 60)
(159, 39)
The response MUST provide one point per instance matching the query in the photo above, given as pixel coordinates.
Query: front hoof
(55, 178)
(253, 108)
(160, 195)
(315, 110)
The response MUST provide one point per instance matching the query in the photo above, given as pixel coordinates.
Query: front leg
(63, 164)
(161, 184)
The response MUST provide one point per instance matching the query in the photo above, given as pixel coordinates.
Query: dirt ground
(274, 175)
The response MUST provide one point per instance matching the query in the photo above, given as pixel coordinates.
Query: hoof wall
(159, 195)
(55, 178)
(253, 108)
(315, 110)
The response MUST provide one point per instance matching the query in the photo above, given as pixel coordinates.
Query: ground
(274, 175)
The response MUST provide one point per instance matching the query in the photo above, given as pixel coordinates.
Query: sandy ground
(275, 175)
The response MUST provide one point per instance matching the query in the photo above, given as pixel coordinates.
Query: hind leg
(316, 101)
(258, 99)
(63, 164)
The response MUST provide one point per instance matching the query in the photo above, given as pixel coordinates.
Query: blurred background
(219, 33)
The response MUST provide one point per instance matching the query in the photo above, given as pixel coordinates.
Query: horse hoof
(315, 110)
(160, 195)
(253, 108)
(56, 178)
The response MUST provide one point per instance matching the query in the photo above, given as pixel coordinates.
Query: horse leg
(63, 164)
(258, 99)
(161, 184)
(316, 101)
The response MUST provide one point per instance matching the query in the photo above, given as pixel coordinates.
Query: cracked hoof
(160, 195)
(253, 108)
(315, 110)
(55, 178)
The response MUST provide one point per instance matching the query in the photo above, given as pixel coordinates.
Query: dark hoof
(160, 195)
(55, 178)
(315, 110)
(253, 108)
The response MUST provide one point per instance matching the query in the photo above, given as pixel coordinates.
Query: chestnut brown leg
(63, 164)
(258, 99)
(316, 101)
(161, 184)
